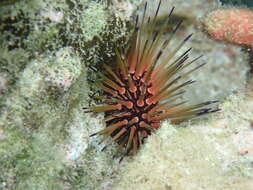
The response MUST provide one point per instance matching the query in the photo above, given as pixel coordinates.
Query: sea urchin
(142, 89)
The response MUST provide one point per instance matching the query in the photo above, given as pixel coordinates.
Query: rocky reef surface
(46, 50)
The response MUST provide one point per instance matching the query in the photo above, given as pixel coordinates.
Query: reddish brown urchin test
(142, 89)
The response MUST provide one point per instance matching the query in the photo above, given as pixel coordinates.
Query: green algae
(45, 49)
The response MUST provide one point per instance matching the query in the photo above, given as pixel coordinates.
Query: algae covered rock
(46, 50)
(46, 47)
(215, 154)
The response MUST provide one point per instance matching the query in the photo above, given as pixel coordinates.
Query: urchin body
(144, 87)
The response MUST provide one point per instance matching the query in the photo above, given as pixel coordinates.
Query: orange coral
(234, 25)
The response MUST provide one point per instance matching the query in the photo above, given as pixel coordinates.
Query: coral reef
(232, 25)
(46, 47)
(216, 154)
